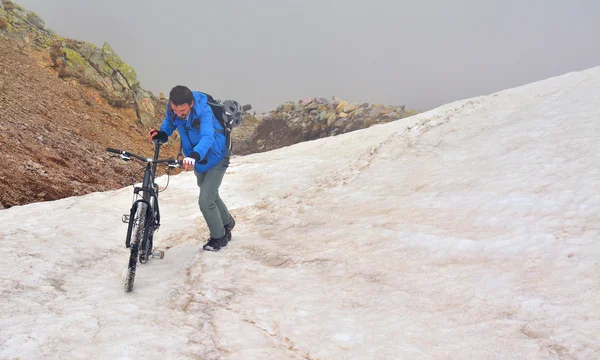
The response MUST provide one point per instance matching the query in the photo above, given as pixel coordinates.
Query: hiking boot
(228, 228)
(216, 244)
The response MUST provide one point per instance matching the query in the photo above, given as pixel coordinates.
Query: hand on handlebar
(157, 135)
(188, 163)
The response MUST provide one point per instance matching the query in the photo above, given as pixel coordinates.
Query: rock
(316, 130)
(340, 107)
(331, 120)
(358, 112)
(116, 64)
(312, 106)
(399, 112)
(375, 113)
(323, 115)
(97, 61)
(354, 125)
(19, 16)
(343, 115)
(266, 117)
(30, 164)
(108, 84)
(350, 108)
(92, 78)
(87, 50)
(75, 60)
(7, 5)
(35, 20)
(146, 109)
(1, 206)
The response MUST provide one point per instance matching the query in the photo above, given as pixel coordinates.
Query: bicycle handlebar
(125, 155)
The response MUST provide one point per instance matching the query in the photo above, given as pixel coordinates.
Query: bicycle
(144, 216)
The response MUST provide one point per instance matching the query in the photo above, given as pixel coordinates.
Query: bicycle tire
(145, 252)
(137, 234)
(147, 240)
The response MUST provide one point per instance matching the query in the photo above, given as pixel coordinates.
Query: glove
(188, 163)
(157, 135)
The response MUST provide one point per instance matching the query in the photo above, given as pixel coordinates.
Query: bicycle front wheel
(137, 234)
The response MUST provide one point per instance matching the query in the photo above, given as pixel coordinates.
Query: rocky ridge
(315, 118)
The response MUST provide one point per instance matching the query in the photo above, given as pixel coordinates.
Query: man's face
(182, 111)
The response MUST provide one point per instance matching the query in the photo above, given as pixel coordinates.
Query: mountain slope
(55, 132)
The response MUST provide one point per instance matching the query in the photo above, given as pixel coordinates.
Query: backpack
(229, 114)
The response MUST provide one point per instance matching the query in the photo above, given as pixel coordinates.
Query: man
(205, 151)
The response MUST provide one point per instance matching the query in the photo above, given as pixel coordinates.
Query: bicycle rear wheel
(137, 234)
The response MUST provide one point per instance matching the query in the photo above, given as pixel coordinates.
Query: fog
(415, 53)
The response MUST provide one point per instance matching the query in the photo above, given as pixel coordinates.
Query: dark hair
(180, 95)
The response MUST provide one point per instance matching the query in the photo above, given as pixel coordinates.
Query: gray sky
(421, 53)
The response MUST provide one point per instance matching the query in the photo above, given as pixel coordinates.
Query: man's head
(182, 101)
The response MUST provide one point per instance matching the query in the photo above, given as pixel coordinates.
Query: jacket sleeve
(207, 132)
(167, 125)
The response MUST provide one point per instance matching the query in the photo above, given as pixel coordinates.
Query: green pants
(212, 207)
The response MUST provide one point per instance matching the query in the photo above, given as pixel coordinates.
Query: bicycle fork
(130, 219)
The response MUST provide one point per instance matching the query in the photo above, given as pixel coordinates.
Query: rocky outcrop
(99, 68)
(315, 118)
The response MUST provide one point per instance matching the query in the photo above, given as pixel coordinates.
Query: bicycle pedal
(125, 219)
(158, 254)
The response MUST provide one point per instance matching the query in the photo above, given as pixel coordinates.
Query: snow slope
(468, 232)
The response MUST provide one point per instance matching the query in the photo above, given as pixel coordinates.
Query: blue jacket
(202, 133)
